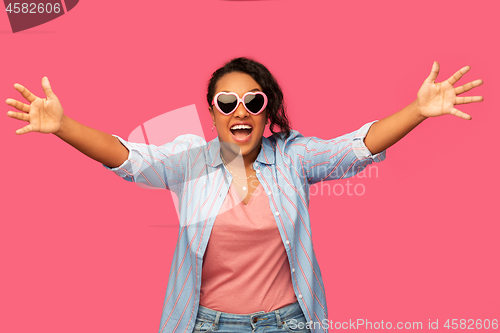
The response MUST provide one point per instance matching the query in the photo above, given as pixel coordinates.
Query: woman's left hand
(436, 99)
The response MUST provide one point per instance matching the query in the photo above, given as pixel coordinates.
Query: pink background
(85, 251)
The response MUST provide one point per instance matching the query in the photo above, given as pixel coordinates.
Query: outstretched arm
(45, 115)
(433, 99)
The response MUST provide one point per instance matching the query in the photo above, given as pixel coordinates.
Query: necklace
(244, 188)
(226, 165)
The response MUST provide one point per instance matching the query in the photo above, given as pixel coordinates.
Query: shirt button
(258, 171)
(300, 295)
(293, 270)
(269, 193)
(287, 242)
(277, 213)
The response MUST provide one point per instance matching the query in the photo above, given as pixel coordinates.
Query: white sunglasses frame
(240, 100)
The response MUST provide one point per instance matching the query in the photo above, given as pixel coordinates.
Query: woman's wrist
(417, 109)
(63, 126)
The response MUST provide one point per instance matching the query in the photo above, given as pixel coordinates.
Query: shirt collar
(213, 159)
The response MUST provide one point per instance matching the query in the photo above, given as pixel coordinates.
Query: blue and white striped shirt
(286, 168)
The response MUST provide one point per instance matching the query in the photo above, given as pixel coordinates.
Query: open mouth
(241, 131)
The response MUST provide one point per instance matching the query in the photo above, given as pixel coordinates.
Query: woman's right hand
(44, 115)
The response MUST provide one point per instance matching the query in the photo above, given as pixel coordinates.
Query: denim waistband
(278, 315)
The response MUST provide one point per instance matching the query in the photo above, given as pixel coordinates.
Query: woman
(243, 198)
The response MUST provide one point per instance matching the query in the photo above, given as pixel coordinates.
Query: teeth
(241, 127)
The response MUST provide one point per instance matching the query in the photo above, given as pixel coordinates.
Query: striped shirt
(286, 168)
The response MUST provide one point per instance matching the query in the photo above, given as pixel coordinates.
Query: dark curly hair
(275, 106)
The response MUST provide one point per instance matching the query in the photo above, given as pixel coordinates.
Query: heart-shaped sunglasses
(227, 102)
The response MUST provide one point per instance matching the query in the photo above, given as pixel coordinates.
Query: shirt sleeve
(337, 158)
(156, 166)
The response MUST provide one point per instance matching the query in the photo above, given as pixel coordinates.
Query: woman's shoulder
(189, 140)
(281, 136)
(282, 139)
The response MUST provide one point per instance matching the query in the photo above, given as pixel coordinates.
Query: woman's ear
(212, 113)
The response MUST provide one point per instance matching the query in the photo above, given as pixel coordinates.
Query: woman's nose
(241, 112)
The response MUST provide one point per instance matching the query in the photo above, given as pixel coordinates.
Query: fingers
(468, 86)
(47, 88)
(24, 130)
(25, 92)
(460, 114)
(19, 115)
(434, 73)
(455, 77)
(468, 99)
(18, 105)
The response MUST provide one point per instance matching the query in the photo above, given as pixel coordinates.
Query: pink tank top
(245, 266)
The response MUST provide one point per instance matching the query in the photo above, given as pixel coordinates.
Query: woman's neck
(235, 160)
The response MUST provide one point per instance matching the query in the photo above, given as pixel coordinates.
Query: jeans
(289, 318)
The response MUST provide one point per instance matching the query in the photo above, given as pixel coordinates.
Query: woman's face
(239, 83)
